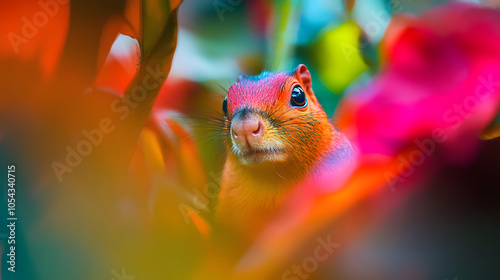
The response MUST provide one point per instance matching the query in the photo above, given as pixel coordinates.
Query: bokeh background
(414, 84)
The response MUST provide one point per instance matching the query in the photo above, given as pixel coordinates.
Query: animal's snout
(247, 131)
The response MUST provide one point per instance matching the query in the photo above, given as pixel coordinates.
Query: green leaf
(285, 27)
(154, 14)
(338, 56)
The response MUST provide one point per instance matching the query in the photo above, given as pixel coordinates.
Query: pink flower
(440, 81)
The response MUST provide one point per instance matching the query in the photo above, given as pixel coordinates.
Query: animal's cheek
(273, 137)
(269, 135)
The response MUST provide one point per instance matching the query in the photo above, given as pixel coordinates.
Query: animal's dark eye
(298, 99)
(224, 106)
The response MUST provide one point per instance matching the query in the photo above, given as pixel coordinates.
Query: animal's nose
(247, 131)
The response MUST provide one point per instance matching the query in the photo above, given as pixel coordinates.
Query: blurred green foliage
(337, 56)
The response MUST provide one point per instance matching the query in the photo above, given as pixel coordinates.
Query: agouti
(278, 138)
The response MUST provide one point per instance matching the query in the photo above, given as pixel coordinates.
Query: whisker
(274, 167)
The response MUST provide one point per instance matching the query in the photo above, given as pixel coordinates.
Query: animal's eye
(298, 99)
(224, 106)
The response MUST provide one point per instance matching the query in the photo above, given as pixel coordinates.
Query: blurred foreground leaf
(153, 17)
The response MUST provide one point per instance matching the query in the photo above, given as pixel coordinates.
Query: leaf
(153, 71)
(285, 12)
(337, 56)
(154, 14)
(137, 100)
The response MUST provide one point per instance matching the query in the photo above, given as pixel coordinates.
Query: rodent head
(275, 118)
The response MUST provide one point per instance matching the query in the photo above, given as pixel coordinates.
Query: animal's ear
(302, 74)
(304, 77)
(241, 78)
